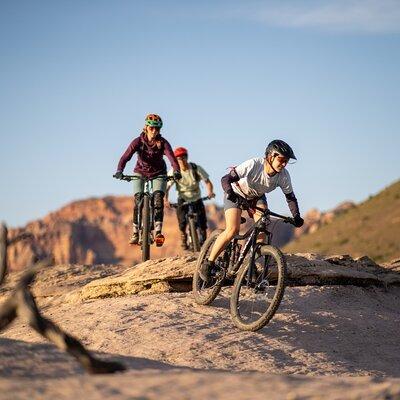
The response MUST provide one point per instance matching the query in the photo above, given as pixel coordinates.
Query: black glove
(177, 175)
(298, 221)
(118, 175)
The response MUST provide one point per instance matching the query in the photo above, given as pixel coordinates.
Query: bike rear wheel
(146, 229)
(255, 299)
(205, 293)
(193, 235)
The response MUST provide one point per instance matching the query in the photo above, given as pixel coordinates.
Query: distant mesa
(96, 231)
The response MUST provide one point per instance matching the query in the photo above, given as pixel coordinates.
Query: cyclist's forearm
(127, 155)
(293, 204)
(209, 187)
(171, 157)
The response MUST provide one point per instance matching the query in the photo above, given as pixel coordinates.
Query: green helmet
(154, 120)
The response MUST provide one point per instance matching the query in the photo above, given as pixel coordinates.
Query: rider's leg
(232, 220)
(261, 203)
(138, 186)
(181, 215)
(159, 187)
(158, 202)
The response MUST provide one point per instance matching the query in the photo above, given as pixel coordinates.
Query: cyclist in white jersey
(245, 187)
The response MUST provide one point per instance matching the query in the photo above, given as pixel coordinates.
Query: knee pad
(158, 199)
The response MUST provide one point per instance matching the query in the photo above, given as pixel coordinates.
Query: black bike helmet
(280, 147)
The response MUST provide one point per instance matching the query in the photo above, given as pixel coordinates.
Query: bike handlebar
(288, 220)
(175, 205)
(129, 178)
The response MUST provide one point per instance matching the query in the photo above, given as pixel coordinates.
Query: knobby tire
(205, 295)
(241, 280)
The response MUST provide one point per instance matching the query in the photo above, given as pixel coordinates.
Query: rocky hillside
(371, 228)
(94, 231)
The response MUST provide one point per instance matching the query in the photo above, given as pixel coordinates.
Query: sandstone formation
(95, 231)
(175, 275)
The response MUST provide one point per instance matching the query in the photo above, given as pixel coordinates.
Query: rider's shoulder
(284, 174)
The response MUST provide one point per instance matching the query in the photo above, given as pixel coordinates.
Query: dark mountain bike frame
(235, 253)
(193, 224)
(145, 213)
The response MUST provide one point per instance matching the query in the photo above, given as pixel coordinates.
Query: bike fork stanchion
(252, 258)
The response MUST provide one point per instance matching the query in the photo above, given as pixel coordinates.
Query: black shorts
(259, 202)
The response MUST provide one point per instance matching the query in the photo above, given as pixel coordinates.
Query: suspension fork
(253, 241)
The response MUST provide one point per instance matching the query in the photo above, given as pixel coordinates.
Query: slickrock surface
(175, 275)
(325, 342)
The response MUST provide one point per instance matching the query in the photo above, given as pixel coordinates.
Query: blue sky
(78, 77)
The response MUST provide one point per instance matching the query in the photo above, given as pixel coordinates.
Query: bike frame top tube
(269, 212)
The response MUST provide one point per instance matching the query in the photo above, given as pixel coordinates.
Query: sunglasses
(281, 159)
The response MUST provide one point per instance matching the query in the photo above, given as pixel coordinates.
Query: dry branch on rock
(22, 304)
(4, 243)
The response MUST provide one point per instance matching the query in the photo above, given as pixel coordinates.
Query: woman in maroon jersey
(150, 147)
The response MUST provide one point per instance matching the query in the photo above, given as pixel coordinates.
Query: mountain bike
(258, 270)
(145, 220)
(196, 238)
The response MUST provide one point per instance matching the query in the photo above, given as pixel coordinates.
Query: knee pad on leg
(158, 199)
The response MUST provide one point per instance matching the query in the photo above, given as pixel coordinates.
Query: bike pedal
(159, 240)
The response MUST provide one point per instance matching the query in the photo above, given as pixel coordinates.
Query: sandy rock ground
(331, 342)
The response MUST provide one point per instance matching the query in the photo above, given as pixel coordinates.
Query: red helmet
(180, 152)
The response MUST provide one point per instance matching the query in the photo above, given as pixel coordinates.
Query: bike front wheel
(256, 294)
(205, 293)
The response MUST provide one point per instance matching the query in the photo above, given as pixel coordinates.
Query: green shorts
(157, 184)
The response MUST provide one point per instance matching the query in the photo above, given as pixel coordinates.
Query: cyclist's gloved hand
(118, 175)
(298, 221)
(177, 175)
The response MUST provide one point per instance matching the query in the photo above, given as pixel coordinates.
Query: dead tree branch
(21, 303)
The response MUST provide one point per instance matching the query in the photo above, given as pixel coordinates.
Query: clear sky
(78, 77)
